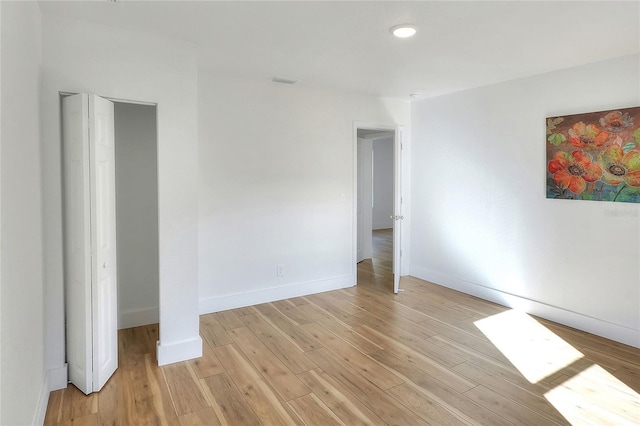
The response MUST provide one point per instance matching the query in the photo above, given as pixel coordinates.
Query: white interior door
(365, 197)
(90, 244)
(77, 221)
(103, 233)
(397, 207)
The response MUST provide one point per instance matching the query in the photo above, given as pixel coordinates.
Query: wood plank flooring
(363, 356)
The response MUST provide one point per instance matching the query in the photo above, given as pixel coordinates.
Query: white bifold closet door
(90, 240)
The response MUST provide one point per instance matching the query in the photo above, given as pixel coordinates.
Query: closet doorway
(137, 213)
(110, 189)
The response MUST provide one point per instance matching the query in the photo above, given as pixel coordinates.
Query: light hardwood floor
(428, 355)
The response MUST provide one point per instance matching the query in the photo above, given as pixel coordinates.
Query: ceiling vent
(283, 80)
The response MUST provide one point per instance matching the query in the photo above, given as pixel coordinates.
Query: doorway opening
(377, 205)
(136, 164)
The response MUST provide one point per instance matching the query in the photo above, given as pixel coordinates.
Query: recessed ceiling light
(403, 30)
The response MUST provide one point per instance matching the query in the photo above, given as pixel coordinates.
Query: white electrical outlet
(279, 270)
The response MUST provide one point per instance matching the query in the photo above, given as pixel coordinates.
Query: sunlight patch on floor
(532, 348)
(595, 396)
(584, 396)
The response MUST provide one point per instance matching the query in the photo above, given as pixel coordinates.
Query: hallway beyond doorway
(378, 271)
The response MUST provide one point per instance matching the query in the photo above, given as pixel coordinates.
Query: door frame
(397, 185)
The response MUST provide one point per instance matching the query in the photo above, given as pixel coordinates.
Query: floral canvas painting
(594, 156)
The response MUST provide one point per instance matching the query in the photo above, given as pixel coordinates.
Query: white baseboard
(248, 298)
(179, 351)
(378, 226)
(138, 317)
(599, 327)
(58, 378)
(54, 379)
(43, 401)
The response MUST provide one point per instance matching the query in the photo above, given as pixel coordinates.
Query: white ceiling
(346, 46)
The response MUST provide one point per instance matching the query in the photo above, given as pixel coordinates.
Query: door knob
(396, 217)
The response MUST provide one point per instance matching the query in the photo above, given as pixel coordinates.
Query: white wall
(84, 57)
(480, 219)
(23, 381)
(276, 188)
(364, 199)
(136, 214)
(0, 212)
(382, 183)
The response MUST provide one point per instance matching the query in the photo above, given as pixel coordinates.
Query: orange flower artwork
(573, 171)
(594, 156)
(587, 136)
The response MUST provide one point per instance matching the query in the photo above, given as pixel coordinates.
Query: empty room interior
(230, 212)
